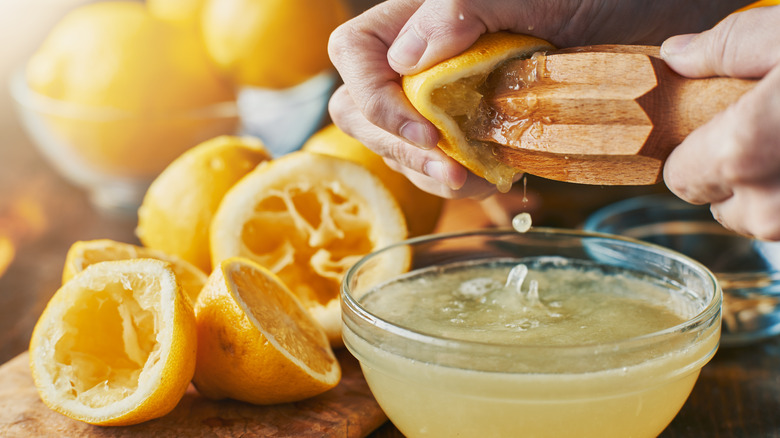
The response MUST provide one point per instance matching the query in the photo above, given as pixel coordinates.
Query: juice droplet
(525, 189)
(504, 184)
(522, 222)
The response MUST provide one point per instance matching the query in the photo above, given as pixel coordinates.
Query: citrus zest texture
(256, 343)
(178, 206)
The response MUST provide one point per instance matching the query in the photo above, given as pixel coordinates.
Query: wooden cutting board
(349, 410)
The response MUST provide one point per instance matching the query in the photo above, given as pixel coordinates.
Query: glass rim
(354, 307)
(636, 203)
(704, 226)
(31, 100)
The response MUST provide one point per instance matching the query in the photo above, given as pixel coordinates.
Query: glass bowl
(112, 153)
(436, 372)
(284, 119)
(747, 269)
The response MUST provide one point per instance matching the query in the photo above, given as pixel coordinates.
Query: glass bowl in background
(284, 119)
(114, 154)
(466, 383)
(747, 269)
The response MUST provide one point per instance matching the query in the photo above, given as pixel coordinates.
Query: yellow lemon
(256, 343)
(448, 92)
(308, 217)
(88, 252)
(116, 345)
(126, 92)
(759, 4)
(421, 209)
(177, 209)
(7, 253)
(186, 12)
(271, 43)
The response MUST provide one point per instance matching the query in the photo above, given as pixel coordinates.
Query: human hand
(733, 162)
(406, 36)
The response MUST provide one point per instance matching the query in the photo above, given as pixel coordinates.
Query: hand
(406, 36)
(733, 162)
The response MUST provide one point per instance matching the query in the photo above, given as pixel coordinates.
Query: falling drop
(525, 189)
(522, 222)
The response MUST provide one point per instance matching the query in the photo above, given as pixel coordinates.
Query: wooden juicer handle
(607, 115)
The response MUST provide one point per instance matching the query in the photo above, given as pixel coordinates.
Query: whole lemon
(176, 211)
(271, 43)
(759, 4)
(186, 12)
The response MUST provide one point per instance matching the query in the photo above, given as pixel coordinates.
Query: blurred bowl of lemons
(275, 52)
(114, 94)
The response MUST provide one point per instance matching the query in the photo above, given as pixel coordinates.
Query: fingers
(733, 163)
(375, 110)
(401, 37)
(752, 212)
(436, 31)
(472, 187)
(405, 36)
(745, 45)
(695, 169)
(358, 50)
(431, 170)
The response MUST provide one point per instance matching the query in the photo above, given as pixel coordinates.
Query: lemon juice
(532, 347)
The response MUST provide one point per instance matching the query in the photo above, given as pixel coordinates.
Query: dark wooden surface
(346, 411)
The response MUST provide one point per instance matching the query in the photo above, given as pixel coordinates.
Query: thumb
(433, 33)
(744, 45)
(440, 29)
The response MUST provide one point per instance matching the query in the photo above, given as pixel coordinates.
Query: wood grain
(607, 115)
(737, 395)
(348, 410)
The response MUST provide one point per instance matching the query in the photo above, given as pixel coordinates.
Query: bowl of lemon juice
(545, 333)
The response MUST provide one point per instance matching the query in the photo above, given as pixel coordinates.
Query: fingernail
(676, 44)
(407, 49)
(435, 169)
(415, 133)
